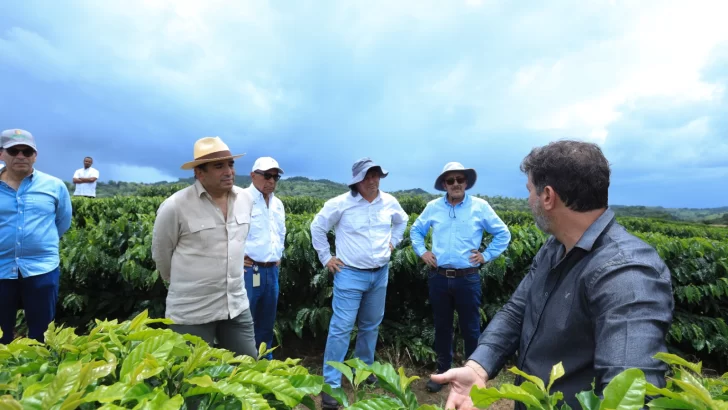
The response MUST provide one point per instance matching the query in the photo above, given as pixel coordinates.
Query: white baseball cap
(266, 164)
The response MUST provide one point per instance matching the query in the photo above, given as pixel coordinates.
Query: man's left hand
(391, 248)
(247, 262)
(477, 257)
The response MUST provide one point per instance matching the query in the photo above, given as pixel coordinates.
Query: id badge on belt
(256, 276)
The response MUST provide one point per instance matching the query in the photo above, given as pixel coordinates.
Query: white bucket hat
(360, 168)
(470, 175)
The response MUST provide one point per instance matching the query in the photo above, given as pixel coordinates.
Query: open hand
(461, 380)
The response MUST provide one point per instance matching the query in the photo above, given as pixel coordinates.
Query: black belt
(264, 264)
(456, 273)
(365, 269)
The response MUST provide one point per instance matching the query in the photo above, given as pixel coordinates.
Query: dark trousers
(263, 304)
(448, 295)
(37, 295)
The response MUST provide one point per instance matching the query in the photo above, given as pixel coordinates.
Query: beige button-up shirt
(200, 253)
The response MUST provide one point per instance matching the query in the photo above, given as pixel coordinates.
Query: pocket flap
(242, 219)
(200, 225)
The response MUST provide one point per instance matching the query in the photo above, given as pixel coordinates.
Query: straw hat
(209, 149)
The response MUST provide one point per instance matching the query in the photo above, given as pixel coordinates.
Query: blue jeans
(447, 295)
(355, 292)
(37, 295)
(263, 304)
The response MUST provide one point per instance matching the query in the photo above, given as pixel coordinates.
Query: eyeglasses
(12, 151)
(268, 176)
(450, 181)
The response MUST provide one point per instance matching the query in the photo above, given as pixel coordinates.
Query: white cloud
(135, 173)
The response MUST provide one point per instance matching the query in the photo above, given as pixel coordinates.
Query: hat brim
(470, 174)
(192, 164)
(14, 143)
(280, 171)
(360, 176)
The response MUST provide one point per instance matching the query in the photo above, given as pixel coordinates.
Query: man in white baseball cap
(458, 221)
(264, 248)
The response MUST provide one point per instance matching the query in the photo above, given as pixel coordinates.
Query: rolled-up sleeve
(164, 238)
(632, 310)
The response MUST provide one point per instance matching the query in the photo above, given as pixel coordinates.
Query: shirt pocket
(40, 204)
(354, 223)
(202, 230)
(469, 228)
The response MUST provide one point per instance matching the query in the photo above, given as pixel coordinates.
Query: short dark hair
(577, 171)
(88, 158)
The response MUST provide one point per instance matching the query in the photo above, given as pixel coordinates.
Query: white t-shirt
(86, 188)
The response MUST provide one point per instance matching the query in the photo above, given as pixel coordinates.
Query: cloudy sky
(411, 83)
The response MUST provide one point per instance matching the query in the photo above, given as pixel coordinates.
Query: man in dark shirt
(596, 298)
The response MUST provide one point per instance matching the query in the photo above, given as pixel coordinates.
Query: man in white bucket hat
(458, 221)
(368, 224)
(264, 248)
(198, 243)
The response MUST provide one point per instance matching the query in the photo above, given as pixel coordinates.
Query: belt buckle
(447, 273)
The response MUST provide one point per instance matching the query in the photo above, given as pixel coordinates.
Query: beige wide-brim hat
(209, 149)
(470, 175)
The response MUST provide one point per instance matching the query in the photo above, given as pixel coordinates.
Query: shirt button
(546, 294)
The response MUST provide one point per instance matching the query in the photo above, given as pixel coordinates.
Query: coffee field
(108, 273)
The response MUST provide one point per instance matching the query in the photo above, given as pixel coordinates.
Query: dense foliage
(139, 364)
(108, 273)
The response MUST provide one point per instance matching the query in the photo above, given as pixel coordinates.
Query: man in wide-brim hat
(458, 221)
(368, 223)
(198, 244)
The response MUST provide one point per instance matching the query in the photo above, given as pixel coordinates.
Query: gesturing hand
(462, 380)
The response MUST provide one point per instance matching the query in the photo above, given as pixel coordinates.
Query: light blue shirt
(32, 221)
(456, 230)
(267, 228)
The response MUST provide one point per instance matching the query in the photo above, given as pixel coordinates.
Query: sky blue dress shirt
(459, 229)
(32, 220)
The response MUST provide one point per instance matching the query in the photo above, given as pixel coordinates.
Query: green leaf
(668, 403)
(63, 384)
(338, 393)
(588, 400)
(675, 360)
(159, 347)
(533, 379)
(404, 381)
(557, 372)
(344, 369)
(307, 384)
(378, 403)
(8, 402)
(626, 391)
(107, 394)
(279, 386)
(482, 398)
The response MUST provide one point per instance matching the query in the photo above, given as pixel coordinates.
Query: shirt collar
(466, 200)
(200, 189)
(257, 195)
(597, 227)
(358, 198)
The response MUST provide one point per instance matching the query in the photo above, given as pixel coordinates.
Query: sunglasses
(268, 176)
(12, 151)
(451, 181)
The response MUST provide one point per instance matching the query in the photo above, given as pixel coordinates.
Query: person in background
(85, 179)
(458, 221)
(35, 212)
(596, 298)
(368, 223)
(197, 243)
(264, 249)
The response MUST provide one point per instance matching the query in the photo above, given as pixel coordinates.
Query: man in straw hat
(35, 211)
(596, 298)
(368, 224)
(264, 248)
(458, 221)
(198, 242)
